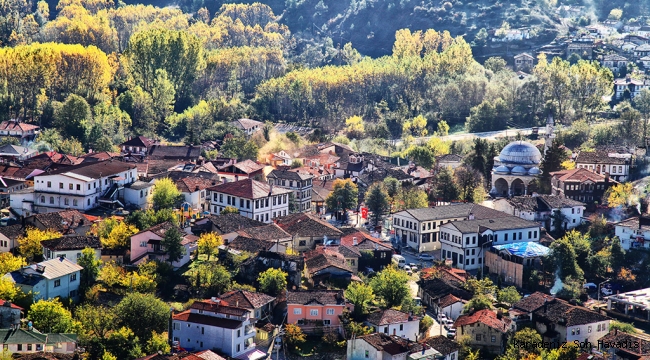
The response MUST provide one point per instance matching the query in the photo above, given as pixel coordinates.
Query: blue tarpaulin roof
(524, 249)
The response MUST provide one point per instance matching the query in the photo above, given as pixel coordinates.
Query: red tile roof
(10, 304)
(248, 189)
(486, 317)
(448, 300)
(193, 184)
(304, 224)
(248, 166)
(580, 175)
(246, 299)
(13, 125)
(195, 318)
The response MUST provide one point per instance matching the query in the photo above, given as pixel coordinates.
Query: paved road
(490, 135)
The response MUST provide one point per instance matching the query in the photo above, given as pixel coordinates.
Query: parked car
(451, 333)
(590, 286)
(414, 267)
(449, 324)
(406, 268)
(425, 257)
(606, 291)
(442, 318)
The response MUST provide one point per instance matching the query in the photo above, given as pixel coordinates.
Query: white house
(138, 194)
(254, 199)
(393, 322)
(248, 126)
(81, 187)
(542, 208)
(450, 305)
(633, 232)
(298, 182)
(147, 245)
(613, 161)
(194, 190)
(213, 324)
(419, 228)
(464, 242)
(70, 247)
(378, 346)
(557, 320)
(58, 277)
(447, 348)
(21, 341)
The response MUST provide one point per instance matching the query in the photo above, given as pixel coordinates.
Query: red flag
(364, 212)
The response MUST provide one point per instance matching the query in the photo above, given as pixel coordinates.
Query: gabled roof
(442, 344)
(160, 229)
(192, 184)
(250, 245)
(558, 311)
(364, 240)
(486, 317)
(72, 243)
(439, 288)
(614, 57)
(246, 123)
(20, 336)
(190, 317)
(248, 189)
(227, 223)
(532, 302)
(62, 220)
(52, 269)
(289, 175)
(13, 232)
(640, 346)
(453, 211)
(14, 125)
(94, 170)
(318, 261)
(268, 232)
(448, 300)
(393, 345)
(246, 299)
(524, 55)
(388, 317)
(248, 166)
(306, 225)
(174, 152)
(542, 202)
(580, 175)
(599, 157)
(139, 141)
(10, 304)
(316, 297)
(495, 224)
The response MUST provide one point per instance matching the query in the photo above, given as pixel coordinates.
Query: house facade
(254, 199)
(70, 247)
(395, 323)
(298, 182)
(524, 62)
(616, 162)
(558, 322)
(486, 330)
(463, 242)
(49, 279)
(633, 233)
(315, 310)
(419, 228)
(147, 245)
(581, 184)
(213, 324)
(543, 209)
(308, 231)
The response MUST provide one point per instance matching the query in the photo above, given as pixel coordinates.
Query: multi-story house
(560, 322)
(633, 232)
(614, 161)
(49, 279)
(139, 145)
(632, 86)
(581, 184)
(396, 323)
(254, 199)
(147, 245)
(524, 62)
(298, 182)
(315, 310)
(510, 261)
(485, 330)
(214, 324)
(614, 62)
(81, 187)
(464, 242)
(308, 231)
(247, 169)
(194, 191)
(419, 228)
(70, 247)
(9, 236)
(544, 209)
(380, 346)
(15, 128)
(248, 126)
(260, 305)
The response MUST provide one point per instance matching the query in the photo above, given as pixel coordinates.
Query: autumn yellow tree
(622, 195)
(112, 274)
(208, 244)
(29, 245)
(9, 262)
(114, 233)
(354, 127)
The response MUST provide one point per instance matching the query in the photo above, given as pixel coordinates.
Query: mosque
(515, 169)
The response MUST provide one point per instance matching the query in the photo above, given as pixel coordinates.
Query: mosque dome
(502, 170)
(520, 152)
(534, 171)
(519, 170)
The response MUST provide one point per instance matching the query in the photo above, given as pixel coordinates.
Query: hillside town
(322, 251)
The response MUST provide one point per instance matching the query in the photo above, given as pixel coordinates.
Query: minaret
(549, 136)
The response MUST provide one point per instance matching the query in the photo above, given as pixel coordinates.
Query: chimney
(471, 216)
(355, 241)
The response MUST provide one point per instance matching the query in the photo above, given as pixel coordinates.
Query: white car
(449, 324)
(442, 318)
(451, 333)
(425, 257)
(414, 267)
(606, 291)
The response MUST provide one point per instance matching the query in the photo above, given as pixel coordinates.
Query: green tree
(422, 156)
(391, 285)
(412, 198)
(624, 195)
(72, 147)
(49, 316)
(72, 118)
(617, 255)
(377, 201)
(50, 138)
(209, 243)
(359, 295)
(478, 302)
(143, 314)
(445, 187)
(415, 127)
(523, 336)
(97, 321)
(240, 149)
(162, 95)
(124, 344)
(508, 295)
(344, 195)
(426, 323)
(552, 161)
(495, 64)
(467, 181)
(179, 53)
(272, 281)
(209, 277)
(159, 343)
(642, 104)
(172, 243)
(564, 256)
(165, 194)
(393, 188)
(623, 327)
(139, 105)
(90, 266)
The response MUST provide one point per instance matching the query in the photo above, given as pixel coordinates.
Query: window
(51, 199)
(49, 184)
(43, 199)
(238, 347)
(71, 186)
(330, 311)
(313, 312)
(78, 187)
(20, 347)
(478, 337)
(302, 243)
(494, 338)
(401, 327)
(505, 237)
(66, 201)
(238, 333)
(367, 353)
(57, 282)
(241, 203)
(598, 327)
(73, 293)
(74, 202)
(589, 328)
(327, 322)
(297, 311)
(73, 277)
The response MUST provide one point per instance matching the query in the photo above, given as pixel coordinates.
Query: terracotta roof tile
(532, 302)
(304, 224)
(248, 189)
(195, 318)
(443, 345)
(448, 300)
(321, 297)
(13, 125)
(247, 299)
(486, 317)
(580, 175)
